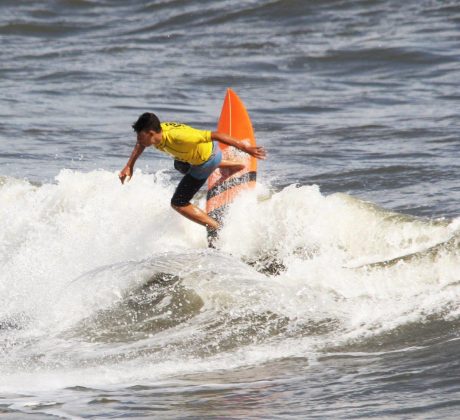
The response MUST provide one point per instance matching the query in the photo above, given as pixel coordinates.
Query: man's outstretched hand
(126, 172)
(258, 152)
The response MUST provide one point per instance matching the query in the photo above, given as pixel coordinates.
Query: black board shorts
(195, 177)
(186, 189)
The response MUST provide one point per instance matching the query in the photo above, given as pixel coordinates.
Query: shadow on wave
(162, 302)
(432, 329)
(432, 253)
(165, 302)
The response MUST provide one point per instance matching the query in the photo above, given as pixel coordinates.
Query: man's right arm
(256, 151)
(127, 171)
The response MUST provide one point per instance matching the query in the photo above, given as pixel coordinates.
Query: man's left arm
(256, 151)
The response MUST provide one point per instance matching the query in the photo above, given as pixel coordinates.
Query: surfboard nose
(234, 120)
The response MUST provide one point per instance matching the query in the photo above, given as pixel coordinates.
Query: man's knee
(178, 201)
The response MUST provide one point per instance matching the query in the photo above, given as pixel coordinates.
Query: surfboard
(223, 186)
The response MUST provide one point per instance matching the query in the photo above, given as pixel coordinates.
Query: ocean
(334, 291)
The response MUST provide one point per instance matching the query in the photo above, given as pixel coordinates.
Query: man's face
(145, 138)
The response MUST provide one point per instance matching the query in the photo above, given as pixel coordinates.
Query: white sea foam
(78, 246)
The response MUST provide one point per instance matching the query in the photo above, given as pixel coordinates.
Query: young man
(196, 154)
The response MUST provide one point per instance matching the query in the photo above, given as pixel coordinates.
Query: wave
(89, 263)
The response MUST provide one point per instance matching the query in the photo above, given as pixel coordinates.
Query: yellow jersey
(185, 143)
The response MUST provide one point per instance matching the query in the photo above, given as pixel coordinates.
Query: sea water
(334, 291)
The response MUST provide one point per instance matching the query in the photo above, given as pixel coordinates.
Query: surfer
(196, 153)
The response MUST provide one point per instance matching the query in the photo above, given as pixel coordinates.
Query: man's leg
(189, 186)
(197, 215)
(182, 167)
(228, 168)
(231, 165)
(180, 201)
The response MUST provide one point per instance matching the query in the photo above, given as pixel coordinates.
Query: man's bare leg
(196, 215)
(231, 165)
(228, 168)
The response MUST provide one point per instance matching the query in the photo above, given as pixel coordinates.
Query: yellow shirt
(185, 143)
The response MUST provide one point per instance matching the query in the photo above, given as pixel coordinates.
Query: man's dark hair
(147, 122)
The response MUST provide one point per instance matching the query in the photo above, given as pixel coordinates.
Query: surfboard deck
(223, 186)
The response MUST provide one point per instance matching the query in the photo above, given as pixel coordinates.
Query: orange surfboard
(223, 186)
